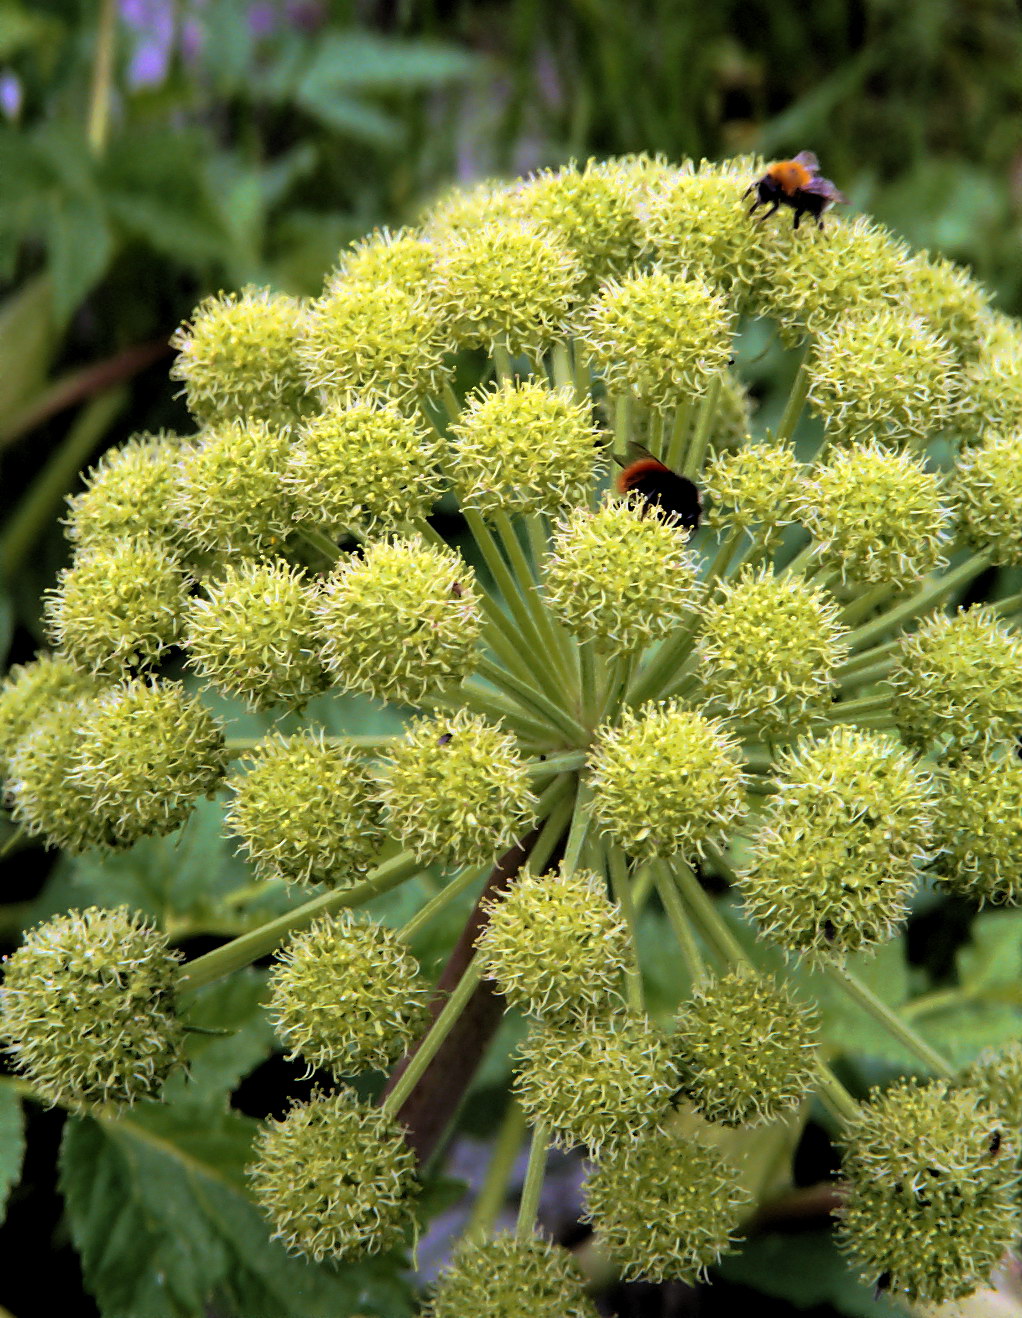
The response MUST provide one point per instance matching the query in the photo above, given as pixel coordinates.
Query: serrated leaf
(156, 1212)
(993, 954)
(12, 1141)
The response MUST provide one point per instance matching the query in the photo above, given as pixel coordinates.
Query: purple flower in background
(10, 95)
(149, 25)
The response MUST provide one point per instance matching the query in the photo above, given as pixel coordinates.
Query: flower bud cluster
(504, 1276)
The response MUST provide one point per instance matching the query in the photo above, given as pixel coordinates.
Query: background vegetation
(153, 151)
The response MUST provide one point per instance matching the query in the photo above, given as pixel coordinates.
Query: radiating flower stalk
(603, 710)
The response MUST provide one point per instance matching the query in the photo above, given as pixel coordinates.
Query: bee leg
(750, 188)
(798, 216)
(766, 214)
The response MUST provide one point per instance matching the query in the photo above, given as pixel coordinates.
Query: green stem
(502, 363)
(239, 745)
(852, 667)
(318, 541)
(865, 603)
(860, 993)
(532, 640)
(662, 668)
(493, 1191)
(430, 1045)
(553, 830)
(580, 821)
(706, 915)
(867, 676)
(447, 894)
(567, 762)
(696, 455)
(242, 951)
(102, 77)
(847, 711)
(835, 1096)
(534, 700)
(933, 591)
(531, 1190)
(800, 562)
(622, 424)
(545, 625)
(679, 436)
(725, 553)
(796, 401)
(621, 887)
(679, 922)
(497, 707)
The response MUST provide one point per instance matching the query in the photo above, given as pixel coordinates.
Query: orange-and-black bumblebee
(660, 488)
(796, 183)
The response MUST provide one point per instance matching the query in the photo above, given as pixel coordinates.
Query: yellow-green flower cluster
(456, 791)
(620, 578)
(666, 781)
(87, 1008)
(506, 1278)
(932, 1191)
(306, 811)
(336, 1178)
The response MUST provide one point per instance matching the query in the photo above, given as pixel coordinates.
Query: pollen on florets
(768, 649)
(229, 498)
(400, 622)
(978, 828)
(885, 376)
(523, 448)
(42, 791)
(336, 1178)
(509, 284)
(811, 283)
(29, 691)
(456, 791)
(254, 635)
(362, 463)
(555, 945)
(506, 1278)
(933, 1179)
(988, 488)
(347, 995)
(403, 257)
(594, 209)
(146, 753)
(620, 578)
(87, 1009)
(597, 1081)
(129, 494)
(951, 302)
(958, 681)
(696, 224)
(306, 811)
(877, 516)
(666, 780)
(744, 1049)
(237, 358)
(757, 489)
(119, 605)
(833, 864)
(374, 338)
(663, 1208)
(662, 338)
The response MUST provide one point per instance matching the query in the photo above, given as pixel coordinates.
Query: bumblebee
(660, 488)
(796, 183)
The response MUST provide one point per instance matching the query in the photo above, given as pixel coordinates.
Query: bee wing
(808, 160)
(822, 187)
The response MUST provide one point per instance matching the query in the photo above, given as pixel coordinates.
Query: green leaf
(12, 1141)
(218, 1062)
(361, 61)
(961, 1033)
(805, 1269)
(355, 119)
(993, 954)
(27, 341)
(80, 247)
(157, 1213)
(847, 1028)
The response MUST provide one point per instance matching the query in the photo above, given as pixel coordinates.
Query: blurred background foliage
(152, 151)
